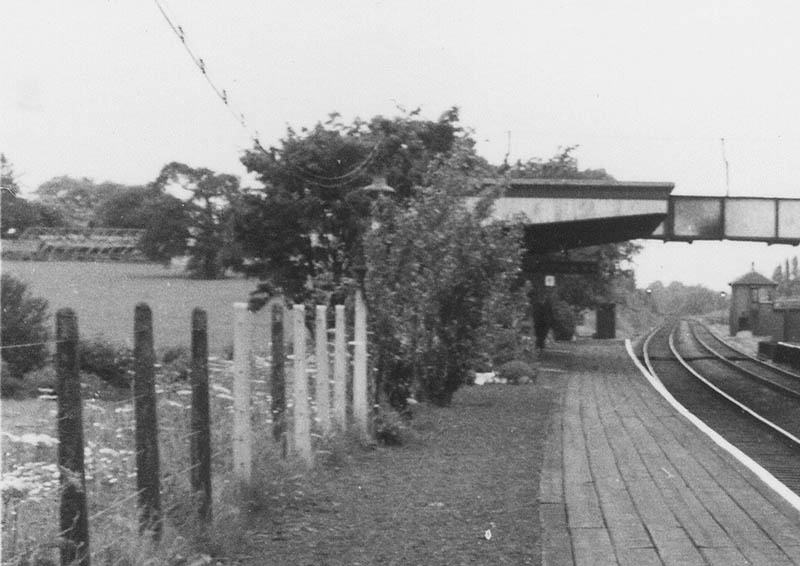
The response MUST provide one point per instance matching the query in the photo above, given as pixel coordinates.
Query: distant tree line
(678, 299)
(198, 225)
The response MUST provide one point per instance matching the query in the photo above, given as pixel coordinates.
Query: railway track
(755, 406)
(770, 374)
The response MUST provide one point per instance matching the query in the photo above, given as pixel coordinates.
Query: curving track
(755, 406)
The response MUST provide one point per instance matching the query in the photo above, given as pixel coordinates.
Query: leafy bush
(516, 371)
(563, 321)
(433, 268)
(110, 362)
(23, 322)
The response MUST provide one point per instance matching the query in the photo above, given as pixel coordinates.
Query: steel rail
(771, 365)
(759, 378)
(772, 426)
(646, 351)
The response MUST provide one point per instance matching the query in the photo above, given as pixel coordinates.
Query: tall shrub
(23, 322)
(433, 270)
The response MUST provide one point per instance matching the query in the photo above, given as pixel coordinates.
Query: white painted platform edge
(771, 481)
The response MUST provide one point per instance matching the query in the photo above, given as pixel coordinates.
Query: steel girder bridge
(565, 214)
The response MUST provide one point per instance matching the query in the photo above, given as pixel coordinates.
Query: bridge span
(565, 214)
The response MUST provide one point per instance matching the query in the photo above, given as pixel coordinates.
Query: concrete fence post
(242, 371)
(340, 371)
(360, 396)
(301, 425)
(322, 390)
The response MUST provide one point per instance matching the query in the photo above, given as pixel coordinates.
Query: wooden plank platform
(627, 480)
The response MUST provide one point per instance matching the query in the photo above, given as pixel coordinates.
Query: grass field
(104, 295)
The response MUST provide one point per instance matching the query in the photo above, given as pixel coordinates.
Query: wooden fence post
(201, 420)
(340, 372)
(278, 384)
(148, 471)
(242, 365)
(301, 426)
(74, 522)
(322, 390)
(360, 401)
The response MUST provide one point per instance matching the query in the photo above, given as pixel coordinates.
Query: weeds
(30, 481)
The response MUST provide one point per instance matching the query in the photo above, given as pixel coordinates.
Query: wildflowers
(30, 481)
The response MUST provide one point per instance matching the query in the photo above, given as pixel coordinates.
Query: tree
(309, 221)
(433, 272)
(678, 299)
(8, 181)
(127, 208)
(787, 278)
(76, 199)
(163, 217)
(563, 165)
(208, 213)
(777, 275)
(17, 213)
(24, 327)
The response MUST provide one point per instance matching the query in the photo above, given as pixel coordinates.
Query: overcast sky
(104, 89)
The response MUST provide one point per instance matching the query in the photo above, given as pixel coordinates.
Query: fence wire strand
(46, 342)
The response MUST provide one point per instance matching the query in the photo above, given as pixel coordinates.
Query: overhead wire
(222, 94)
(330, 182)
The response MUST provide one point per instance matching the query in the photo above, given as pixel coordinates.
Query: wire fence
(114, 481)
(30, 344)
(36, 480)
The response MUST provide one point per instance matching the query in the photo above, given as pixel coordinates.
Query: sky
(646, 90)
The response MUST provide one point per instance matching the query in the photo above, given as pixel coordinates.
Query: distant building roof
(754, 278)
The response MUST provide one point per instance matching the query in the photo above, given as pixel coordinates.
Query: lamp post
(378, 187)
(361, 385)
